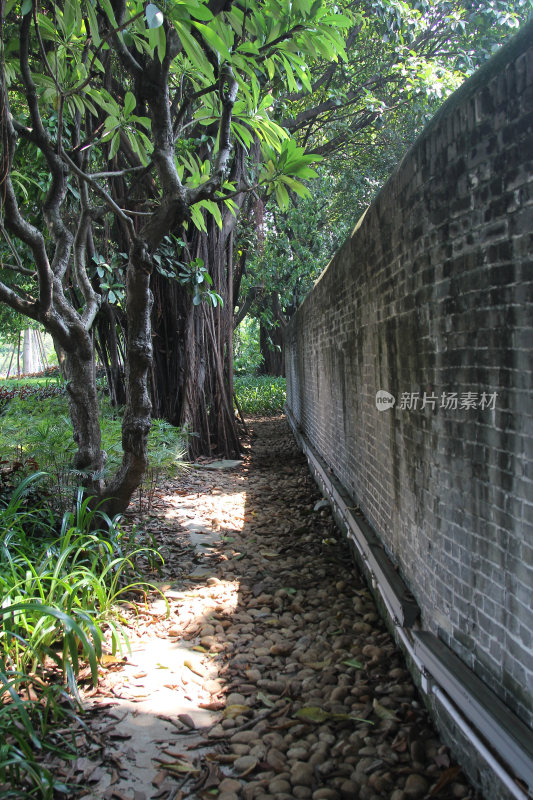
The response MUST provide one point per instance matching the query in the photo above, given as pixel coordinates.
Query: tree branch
(228, 95)
(58, 188)
(251, 297)
(12, 299)
(19, 265)
(92, 299)
(98, 189)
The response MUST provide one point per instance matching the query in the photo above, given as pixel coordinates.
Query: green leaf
(154, 17)
(242, 133)
(318, 715)
(199, 11)
(25, 7)
(213, 209)
(93, 24)
(297, 187)
(108, 8)
(111, 123)
(265, 700)
(352, 662)
(282, 196)
(195, 54)
(382, 712)
(129, 103)
(115, 144)
(213, 40)
(161, 44)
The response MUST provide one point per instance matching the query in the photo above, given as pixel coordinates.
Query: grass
(65, 571)
(62, 583)
(36, 434)
(260, 394)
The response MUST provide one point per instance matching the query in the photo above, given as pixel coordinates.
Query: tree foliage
(100, 98)
(134, 133)
(403, 60)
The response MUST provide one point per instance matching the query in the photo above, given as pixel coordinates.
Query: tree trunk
(137, 414)
(190, 384)
(79, 370)
(271, 345)
(109, 354)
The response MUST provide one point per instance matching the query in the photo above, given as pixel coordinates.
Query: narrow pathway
(273, 676)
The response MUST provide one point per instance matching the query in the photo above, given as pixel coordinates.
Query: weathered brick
(434, 293)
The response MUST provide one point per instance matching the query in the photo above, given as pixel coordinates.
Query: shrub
(247, 356)
(260, 394)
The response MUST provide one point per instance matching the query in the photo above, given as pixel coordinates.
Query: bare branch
(228, 94)
(98, 189)
(19, 265)
(12, 299)
(14, 219)
(327, 76)
(92, 299)
(117, 174)
(14, 268)
(58, 188)
(112, 33)
(186, 104)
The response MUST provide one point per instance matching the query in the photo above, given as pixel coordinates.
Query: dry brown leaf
(159, 778)
(216, 705)
(447, 777)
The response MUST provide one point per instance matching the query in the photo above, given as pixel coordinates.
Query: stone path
(273, 676)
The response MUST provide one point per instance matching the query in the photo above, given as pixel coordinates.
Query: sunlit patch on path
(262, 671)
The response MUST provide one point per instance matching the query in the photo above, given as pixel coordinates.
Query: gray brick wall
(432, 295)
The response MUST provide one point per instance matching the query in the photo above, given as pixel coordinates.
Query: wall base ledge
(479, 715)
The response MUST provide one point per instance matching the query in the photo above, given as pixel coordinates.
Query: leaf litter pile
(263, 670)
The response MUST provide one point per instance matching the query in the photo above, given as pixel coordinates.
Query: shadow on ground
(273, 676)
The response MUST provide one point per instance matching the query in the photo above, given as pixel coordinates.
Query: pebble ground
(308, 696)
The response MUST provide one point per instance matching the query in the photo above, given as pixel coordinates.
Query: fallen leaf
(109, 660)
(196, 668)
(352, 662)
(442, 760)
(382, 712)
(180, 767)
(317, 715)
(159, 778)
(222, 758)
(447, 777)
(270, 555)
(235, 710)
(264, 699)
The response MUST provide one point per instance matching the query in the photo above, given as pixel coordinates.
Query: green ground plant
(62, 583)
(36, 433)
(260, 394)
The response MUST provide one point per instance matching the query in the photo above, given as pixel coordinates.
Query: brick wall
(430, 297)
